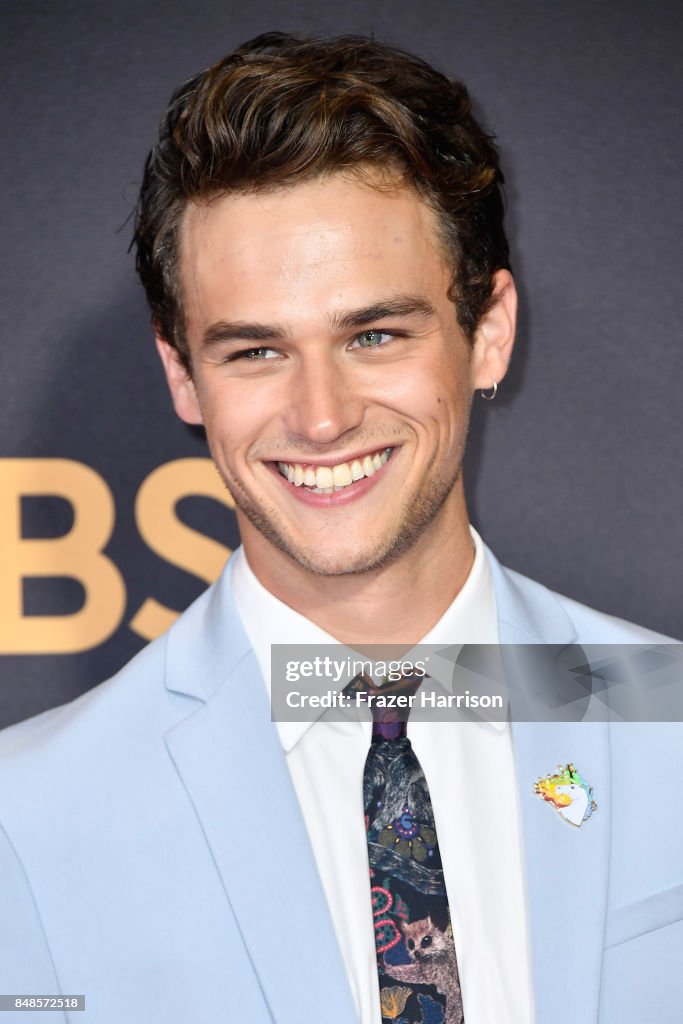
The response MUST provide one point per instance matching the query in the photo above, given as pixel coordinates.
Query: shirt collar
(470, 618)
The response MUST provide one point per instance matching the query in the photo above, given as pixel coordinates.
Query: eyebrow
(400, 306)
(223, 330)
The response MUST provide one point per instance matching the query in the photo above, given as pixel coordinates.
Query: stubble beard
(417, 515)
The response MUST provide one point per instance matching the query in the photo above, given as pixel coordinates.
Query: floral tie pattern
(416, 961)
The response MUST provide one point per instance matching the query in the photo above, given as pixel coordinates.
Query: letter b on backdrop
(77, 555)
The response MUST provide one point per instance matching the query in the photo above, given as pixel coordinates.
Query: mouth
(334, 478)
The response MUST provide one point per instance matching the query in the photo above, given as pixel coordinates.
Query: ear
(495, 334)
(180, 383)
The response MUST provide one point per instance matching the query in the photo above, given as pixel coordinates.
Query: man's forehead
(341, 205)
(336, 237)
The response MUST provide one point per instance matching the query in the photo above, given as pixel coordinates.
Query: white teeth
(328, 479)
(342, 475)
(323, 477)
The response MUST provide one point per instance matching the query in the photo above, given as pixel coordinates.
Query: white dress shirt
(471, 777)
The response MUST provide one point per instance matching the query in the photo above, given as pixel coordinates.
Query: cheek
(446, 415)
(425, 397)
(438, 390)
(233, 418)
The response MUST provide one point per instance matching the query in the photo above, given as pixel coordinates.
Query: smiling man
(334, 381)
(320, 236)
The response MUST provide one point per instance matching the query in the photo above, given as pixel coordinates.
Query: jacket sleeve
(26, 966)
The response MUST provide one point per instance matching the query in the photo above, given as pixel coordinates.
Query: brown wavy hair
(281, 110)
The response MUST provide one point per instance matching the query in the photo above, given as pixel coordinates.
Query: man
(320, 237)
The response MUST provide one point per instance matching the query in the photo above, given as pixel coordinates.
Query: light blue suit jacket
(153, 855)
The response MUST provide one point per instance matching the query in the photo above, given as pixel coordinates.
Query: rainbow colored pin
(569, 793)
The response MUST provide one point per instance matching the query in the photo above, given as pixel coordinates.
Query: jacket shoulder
(139, 693)
(594, 627)
(55, 765)
(106, 702)
(590, 625)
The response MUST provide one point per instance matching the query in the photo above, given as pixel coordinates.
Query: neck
(395, 604)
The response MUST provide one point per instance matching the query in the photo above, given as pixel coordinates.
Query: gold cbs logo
(79, 554)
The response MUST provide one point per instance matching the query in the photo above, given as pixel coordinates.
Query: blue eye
(252, 354)
(258, 353)
(371, 339)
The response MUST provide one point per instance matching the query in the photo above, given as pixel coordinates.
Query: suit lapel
(230, 760)
(566, 867)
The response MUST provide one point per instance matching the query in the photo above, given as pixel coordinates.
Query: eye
(255, 353)
(411, 943)
(427, 941)
(372, 339)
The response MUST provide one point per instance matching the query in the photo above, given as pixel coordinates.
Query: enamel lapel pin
(569, 794)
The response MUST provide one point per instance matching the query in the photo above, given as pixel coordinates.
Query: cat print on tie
(433, 962)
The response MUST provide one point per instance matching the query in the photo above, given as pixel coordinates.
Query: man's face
(328, 369)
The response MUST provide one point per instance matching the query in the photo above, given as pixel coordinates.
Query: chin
(337, 559)
(338, 562)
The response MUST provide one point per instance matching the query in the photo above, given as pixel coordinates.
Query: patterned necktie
(416, 962)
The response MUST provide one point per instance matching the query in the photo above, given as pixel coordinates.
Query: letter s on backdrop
(178, 544)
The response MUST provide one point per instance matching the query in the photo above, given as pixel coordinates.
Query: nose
(323, 401)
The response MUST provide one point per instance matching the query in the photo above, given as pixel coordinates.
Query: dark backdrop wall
(573, 473)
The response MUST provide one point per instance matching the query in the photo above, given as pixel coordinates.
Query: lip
(336, 461)
(351, 493)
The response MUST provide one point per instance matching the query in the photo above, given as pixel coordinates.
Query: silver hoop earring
(494, 392)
